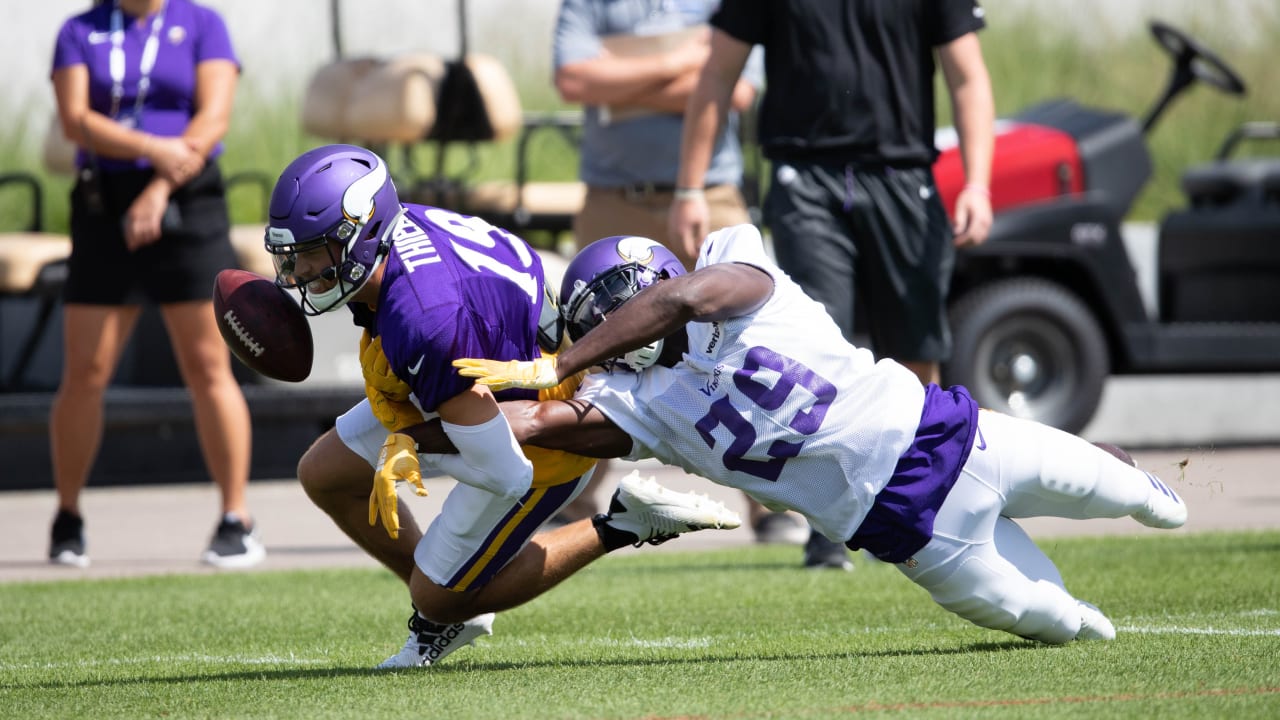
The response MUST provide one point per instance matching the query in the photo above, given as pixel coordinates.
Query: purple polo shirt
(191, 35)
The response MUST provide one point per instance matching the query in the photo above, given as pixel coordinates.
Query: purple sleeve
(214, 42)
(68, 49)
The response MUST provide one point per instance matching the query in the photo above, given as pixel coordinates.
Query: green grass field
(742, 633)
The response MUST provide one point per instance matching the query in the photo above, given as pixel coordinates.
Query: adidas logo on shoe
(430, 642)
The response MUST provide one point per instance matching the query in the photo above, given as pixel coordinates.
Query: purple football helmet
(338, 197)
(606, 274)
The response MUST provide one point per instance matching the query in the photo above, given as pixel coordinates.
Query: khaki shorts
(613, 211)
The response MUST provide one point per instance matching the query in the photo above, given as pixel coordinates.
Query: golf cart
(1051, 304)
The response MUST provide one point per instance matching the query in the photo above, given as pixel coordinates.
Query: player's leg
(983, 568)
(93, 338)
(466, 548)
(337, 475)
(1048, 472)
(480, 555)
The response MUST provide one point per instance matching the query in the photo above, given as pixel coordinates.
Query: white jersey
(776, 403)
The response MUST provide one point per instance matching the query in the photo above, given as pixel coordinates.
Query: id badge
(128, 120)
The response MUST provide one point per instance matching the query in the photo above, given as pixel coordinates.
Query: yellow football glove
(394, 415)
(388, 395)
(397, 461)
(503, 375)
(377, 370)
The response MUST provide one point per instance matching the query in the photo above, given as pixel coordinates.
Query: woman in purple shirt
(144, 88)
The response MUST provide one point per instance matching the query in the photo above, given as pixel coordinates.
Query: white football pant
(980, 564)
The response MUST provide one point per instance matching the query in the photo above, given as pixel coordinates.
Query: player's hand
(398, 461)
(505, 374)
(395, 415)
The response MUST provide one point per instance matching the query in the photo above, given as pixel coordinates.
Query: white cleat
(430, 642)
(1164, 509)
(1093, 624)
(655, 514)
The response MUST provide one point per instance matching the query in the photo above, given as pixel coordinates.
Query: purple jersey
(189, 35)
(456, 287)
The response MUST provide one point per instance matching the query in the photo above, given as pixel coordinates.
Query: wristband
(687, 193)
(980, 189)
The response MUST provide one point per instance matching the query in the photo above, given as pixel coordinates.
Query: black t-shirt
(848, 80)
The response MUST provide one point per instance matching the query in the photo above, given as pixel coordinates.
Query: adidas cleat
(429, 642)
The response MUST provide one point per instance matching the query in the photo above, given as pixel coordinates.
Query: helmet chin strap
(335, 297)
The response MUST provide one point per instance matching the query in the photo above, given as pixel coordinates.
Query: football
(263, 325)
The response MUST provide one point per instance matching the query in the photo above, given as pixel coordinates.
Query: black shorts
(180, 266)
(875, 235)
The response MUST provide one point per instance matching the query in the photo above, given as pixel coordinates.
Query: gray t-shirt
(621, 151)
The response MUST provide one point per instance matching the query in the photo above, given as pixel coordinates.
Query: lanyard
(145, 66)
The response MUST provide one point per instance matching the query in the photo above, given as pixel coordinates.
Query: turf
(743, 633)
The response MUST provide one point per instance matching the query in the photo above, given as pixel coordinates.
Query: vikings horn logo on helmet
(637, 249)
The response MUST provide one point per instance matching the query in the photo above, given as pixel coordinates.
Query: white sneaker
(430, 642)
(655, 514)
(1164, 509)
(1093, 624)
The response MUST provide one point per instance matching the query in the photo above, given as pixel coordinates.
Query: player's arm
(488, 456)
(715, 292)
(570, 425)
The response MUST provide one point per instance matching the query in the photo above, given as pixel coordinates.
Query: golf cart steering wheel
(1201, 62)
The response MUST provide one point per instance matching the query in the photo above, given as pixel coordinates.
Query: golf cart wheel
(1031, 349)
